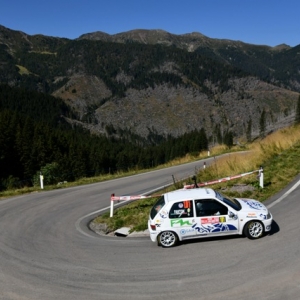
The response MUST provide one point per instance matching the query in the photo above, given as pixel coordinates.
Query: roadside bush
(10, 183)
(51, 174)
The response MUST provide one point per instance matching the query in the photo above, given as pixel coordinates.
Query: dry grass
(277, 154)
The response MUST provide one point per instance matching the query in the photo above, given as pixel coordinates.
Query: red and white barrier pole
(126, 198)
(191, 186)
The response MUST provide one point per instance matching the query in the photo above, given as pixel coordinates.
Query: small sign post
(42, 180)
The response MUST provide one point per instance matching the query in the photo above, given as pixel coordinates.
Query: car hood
(251, 205)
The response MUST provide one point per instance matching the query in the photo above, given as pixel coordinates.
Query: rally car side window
(182, 209)
(157, 207)
(210, 207)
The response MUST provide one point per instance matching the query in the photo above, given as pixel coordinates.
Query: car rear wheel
(254, 229)
(167, 239)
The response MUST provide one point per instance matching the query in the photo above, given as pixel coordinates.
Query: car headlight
(268, 216)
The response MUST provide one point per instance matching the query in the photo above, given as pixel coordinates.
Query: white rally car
(203, 212)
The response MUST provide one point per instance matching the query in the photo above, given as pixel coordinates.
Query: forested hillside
(151, 84)
(102, 103)
(34, 136)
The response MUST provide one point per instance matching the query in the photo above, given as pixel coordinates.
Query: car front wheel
(167, 239)
(254, 230)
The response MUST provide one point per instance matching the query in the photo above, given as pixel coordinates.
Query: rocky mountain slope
(153, 83)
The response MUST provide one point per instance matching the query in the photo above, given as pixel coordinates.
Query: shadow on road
(210, 239)
(275, 228)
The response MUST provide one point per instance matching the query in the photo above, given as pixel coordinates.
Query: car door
(181, 216)
(212, 218)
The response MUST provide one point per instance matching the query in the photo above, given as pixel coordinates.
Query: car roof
(186, 194)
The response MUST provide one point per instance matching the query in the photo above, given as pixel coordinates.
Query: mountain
(155, 84)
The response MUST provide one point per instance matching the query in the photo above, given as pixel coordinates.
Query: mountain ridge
(154, 82)
(136, 35)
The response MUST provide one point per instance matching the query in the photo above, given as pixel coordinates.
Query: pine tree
(228, 139)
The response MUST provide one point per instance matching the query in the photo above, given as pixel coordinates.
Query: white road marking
(284, 195)
(77, 224)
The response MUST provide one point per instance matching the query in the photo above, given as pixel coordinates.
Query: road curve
(47, 252)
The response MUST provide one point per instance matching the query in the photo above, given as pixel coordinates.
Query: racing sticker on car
(180, 223)
(209, 228)
(265, 217)
(179, 211)
(253, 204)
(251, 215)
(187, 204)
(213, 220)
(163, 214)
(187, 231)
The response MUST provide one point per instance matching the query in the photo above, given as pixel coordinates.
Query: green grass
(134, 215)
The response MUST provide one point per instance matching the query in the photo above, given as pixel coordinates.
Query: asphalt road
(47, 251)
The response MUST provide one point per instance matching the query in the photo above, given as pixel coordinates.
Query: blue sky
(260, 22)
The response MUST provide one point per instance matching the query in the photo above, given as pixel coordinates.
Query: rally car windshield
(229, 201)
